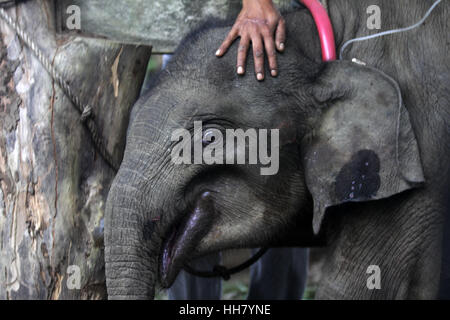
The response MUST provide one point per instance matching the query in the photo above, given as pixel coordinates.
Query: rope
(84, 110)
(222, 271)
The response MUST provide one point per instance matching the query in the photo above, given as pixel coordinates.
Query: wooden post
(53, 184)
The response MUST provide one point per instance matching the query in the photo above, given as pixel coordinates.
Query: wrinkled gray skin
(334, 119)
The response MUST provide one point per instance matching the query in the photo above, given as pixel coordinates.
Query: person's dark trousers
(189, 287)
(280, 274)
(444, 290)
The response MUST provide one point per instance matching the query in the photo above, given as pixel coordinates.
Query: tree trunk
(53, 183)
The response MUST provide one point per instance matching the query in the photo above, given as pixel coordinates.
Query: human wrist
(248, 3)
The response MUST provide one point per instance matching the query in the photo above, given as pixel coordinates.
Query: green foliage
(234, 290)
(310, 293)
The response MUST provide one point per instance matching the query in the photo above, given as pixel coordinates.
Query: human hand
(261, 24)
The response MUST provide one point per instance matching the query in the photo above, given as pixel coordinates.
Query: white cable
(389, 31)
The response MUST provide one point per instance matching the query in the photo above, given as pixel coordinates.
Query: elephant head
(340, 134)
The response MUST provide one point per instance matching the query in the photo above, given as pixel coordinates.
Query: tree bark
(53, 183)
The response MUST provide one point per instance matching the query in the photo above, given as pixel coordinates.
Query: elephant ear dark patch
(359, 179)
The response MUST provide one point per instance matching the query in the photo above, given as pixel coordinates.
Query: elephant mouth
(183, 239)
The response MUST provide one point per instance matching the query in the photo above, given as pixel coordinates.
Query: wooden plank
(161, 23)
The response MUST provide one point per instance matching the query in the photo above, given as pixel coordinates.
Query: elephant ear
(363, 147)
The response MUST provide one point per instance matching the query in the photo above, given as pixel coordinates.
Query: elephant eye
(211, 136)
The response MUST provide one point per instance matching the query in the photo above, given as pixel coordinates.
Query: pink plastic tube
(324, 28)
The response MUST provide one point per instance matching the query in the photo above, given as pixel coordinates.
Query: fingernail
(274, 73)
(282, 46)
(260, 76)
(240, 70)
(218, 52)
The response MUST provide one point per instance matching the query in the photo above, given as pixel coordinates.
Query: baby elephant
(216, 160)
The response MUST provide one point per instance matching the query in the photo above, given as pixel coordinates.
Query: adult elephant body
(349, 146)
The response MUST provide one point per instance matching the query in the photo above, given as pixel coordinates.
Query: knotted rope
(86, 114)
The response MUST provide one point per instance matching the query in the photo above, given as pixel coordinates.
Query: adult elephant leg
(384, 249)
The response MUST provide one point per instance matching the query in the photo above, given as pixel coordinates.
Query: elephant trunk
(130, 263)
(138, 233)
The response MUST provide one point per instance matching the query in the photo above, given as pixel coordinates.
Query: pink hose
(324, 28)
